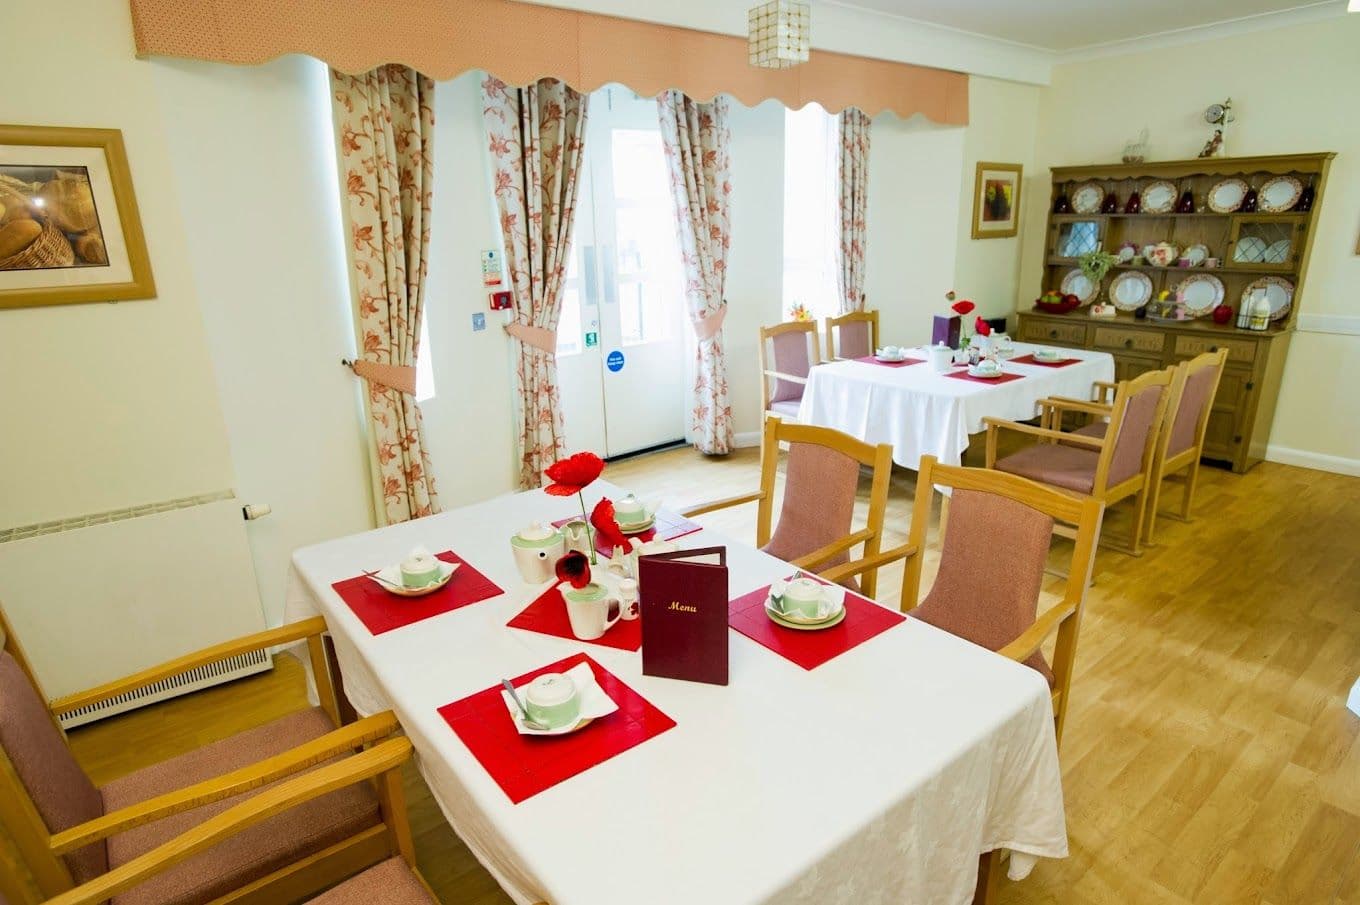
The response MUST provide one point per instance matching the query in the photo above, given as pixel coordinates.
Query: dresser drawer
(1131, 340)
(1240, 351)
(1035, 331)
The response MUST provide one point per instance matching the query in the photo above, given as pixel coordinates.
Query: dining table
(921, 411)
(876, 772)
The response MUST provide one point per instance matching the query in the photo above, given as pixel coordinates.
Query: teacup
(552, 700)
(631, 511)
(537, 548)
(987, 366)
(891, 352)
(592, 610)
(803, 598)
(419, 570)
(1046, 355)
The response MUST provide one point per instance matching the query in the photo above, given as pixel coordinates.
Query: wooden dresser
(1244, 409)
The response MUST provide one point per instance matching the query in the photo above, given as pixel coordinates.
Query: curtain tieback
(540, 338)
(401, 378)
(705, 328)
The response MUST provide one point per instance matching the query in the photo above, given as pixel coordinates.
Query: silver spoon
(380, 580)
(524, 714)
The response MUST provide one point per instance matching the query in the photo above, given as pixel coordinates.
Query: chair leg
(1191, 475)
(1154, 500)
(988, 878)
(1139, 511)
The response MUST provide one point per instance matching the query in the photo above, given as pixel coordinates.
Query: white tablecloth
(921, 412)
(878, 777)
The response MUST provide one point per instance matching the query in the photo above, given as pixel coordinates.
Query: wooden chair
(855, 335)
(1182, 440)
(821, 481)
(993, 554)
(1110, 464)
(787, 353)
(394, 880)
(63, 831)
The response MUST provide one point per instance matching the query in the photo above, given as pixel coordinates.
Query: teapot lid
(537, 531)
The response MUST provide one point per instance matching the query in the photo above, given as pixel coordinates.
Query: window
(811, 210)
(424, 370)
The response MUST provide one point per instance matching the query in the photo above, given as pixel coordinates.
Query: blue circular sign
(614, 361)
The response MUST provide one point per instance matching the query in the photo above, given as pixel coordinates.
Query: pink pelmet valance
(520, 43)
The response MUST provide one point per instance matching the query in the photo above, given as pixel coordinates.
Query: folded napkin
(594, 702)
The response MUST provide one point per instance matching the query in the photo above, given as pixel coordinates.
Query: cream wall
(105, 405)
(1302, 101)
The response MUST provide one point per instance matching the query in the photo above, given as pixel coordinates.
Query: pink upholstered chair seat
(787, 407)
(254, 853)
(991, 570)
(1068, 467)
(388, 883)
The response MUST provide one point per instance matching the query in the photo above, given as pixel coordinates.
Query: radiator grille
(113, 515)
(214, 673)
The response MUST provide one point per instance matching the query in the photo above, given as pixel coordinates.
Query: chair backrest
(1185, 427)
(43, 790)
(821, 481)
(993, 553)
(1135, 416)
(852, 335)
(790, 348)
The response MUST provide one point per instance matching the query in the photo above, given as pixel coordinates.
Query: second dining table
(872, 765)
(922, 412)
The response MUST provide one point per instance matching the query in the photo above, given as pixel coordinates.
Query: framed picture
(996, 200)
(69, 228)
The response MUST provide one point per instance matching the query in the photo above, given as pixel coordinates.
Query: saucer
(801, 626)
(890, 359)
(389, 579)
(594, 703)
(637, 527)
(988, 375)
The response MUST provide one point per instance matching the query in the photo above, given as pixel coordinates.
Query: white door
(621, 339)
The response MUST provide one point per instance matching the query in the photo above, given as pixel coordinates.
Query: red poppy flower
(574, 568)
(981, 327)
(571, 475)
(963, 306)
(602, 519)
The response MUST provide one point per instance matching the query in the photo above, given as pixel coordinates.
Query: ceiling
(1062, 25)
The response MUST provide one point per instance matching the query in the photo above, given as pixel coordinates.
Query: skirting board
(1318, 461)
(746, 439)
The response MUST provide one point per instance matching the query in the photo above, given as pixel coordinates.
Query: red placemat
(1004, 378)
(1031, 360)
(863, 620)
(547, 615)
(668, 526)
(870, 360)
(381, 610)
(524, 765)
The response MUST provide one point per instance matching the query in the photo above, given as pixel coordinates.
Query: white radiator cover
(96, 598)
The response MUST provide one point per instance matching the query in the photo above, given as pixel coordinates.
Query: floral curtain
(385, 127)
(697, 142)
(854, 182)
(537, 141)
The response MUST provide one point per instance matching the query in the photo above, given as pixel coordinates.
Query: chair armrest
(701, 508)
(1031, 638)
(374, 762)
(1103, 388)
(1022, 428)
(789, 377)
(877, 561)
(811, 560)
(284, 634)
(1076, 405)
(252, 776)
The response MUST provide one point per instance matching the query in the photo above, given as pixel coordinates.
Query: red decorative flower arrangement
(573, 568)
(982, 327)
(571, 476)
(602, 518)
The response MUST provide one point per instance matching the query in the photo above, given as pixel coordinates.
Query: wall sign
(615, 361)
(592, 339)
(491, 267)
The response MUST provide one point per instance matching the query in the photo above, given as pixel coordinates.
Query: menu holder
(683, 602)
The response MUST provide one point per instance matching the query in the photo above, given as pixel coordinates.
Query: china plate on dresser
(1277, 253)
(1227, 196)
(1196, 254)
(1086, 198)
(1279, 293)
(1159, 197)
(1201, 293)
(1131, 290)
(1249, 250)
(1279, 194)
(1074, 282)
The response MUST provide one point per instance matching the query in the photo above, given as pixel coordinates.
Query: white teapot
(537, 549)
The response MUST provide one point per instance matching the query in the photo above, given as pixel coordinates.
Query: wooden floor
(1208, 754)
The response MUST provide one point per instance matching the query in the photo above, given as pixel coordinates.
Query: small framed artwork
(69, 227)
(996, 200)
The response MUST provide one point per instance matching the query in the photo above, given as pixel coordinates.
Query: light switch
(478, 322)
